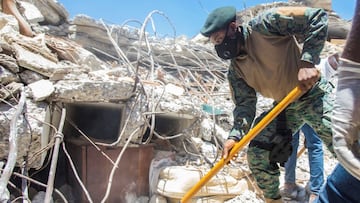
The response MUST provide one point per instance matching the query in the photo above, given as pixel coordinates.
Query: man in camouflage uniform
(266, 58)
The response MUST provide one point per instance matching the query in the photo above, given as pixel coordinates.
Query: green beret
(218, 19)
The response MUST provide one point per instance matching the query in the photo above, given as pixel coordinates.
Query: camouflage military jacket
(273, 58)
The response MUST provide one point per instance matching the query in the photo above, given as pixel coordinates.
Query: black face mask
(228, 49)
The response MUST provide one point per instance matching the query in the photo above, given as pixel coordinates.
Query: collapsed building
(92, 112)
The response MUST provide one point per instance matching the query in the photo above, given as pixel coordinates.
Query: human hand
(228, 145)
(308, 75)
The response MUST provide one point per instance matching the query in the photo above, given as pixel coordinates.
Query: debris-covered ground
(171, 93)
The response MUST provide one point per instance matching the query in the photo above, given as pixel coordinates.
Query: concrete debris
(30, 129)
(10, 90)
(143, 92)
(9, 63)
(31, 12)
(40, 90)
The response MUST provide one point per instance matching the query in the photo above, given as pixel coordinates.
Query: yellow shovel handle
(294, 94)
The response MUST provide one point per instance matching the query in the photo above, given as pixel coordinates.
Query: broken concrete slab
(10, 90)
(31, 139)
(31, 12)
(7, 76)
(93, 91)
(73, 52)
(9, 63)
(41, 90)
(29, 76)
(53, 12)
(8, 24)
(34, 62)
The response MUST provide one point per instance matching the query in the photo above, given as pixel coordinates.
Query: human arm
(352, 46)
(346, 113)
(245, 99)
(9, 7)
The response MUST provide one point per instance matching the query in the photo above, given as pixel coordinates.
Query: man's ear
(232, 28)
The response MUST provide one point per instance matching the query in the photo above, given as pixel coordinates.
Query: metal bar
(58, 139)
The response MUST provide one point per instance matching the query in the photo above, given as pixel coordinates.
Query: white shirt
(328, 72)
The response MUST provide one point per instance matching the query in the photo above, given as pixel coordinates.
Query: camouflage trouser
(314, 108)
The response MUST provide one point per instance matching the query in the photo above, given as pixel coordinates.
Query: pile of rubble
(152, 80)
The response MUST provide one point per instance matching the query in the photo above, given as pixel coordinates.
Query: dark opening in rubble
(169, 124)
(100, 121)
(172, 123)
